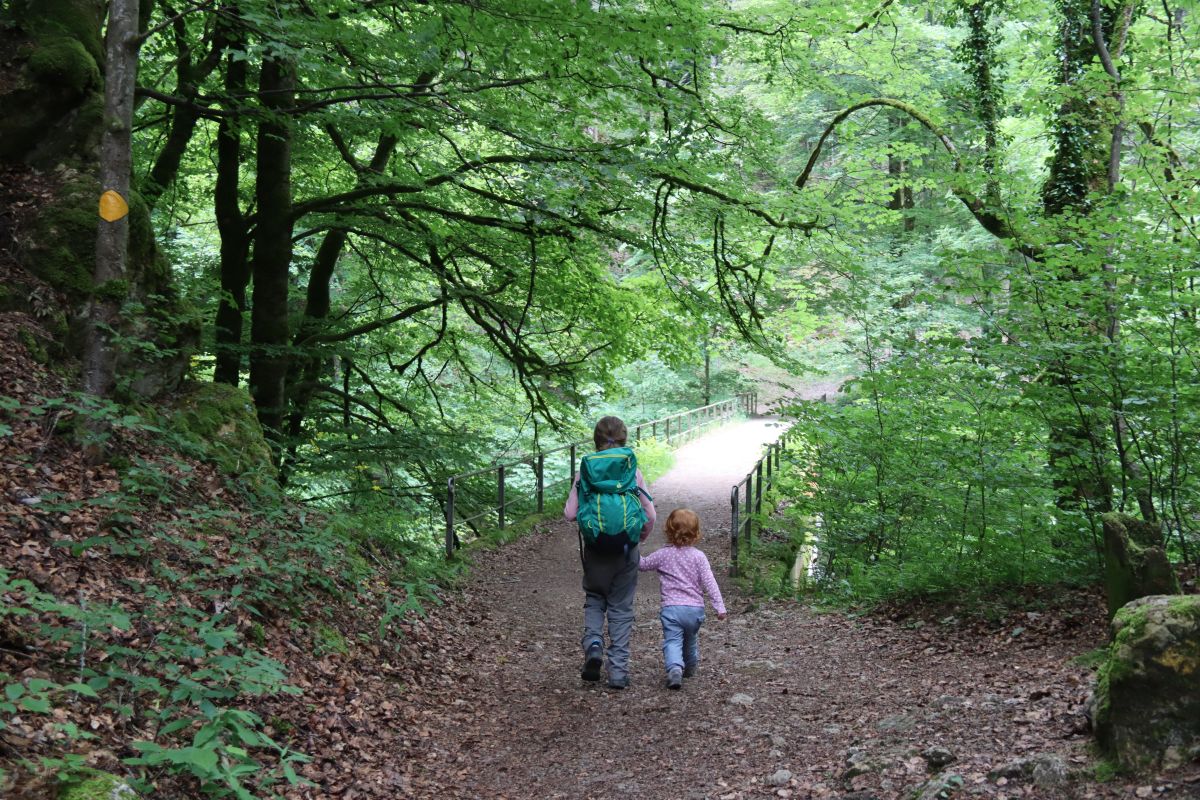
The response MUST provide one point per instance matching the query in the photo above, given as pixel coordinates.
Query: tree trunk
(235, 241)
(272, 249)
(112, 239)
(1083, 128)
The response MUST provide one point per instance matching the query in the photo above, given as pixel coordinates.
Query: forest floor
(789, 701)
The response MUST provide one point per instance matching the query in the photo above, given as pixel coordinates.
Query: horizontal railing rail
(498, 491)
(758, 480)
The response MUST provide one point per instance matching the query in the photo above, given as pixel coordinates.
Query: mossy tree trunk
(1083, 128)
(116, 164)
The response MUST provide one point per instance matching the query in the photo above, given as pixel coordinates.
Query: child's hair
(683, 527)
(609, 432)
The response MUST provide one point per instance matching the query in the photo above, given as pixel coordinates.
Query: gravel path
(787, 703)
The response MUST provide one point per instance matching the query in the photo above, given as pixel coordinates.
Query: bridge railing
(490, 497)
(746, 497)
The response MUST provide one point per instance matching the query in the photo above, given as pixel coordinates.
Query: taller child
(609, 576)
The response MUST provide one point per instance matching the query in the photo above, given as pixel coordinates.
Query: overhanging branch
(985, 215)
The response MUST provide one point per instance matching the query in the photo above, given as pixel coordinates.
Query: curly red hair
(682, 527)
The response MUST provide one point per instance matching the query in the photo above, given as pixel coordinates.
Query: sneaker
(674, 679)
(689, 670)
(618, 683)
(592, 662)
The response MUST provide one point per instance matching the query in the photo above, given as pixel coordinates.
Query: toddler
(686, 577)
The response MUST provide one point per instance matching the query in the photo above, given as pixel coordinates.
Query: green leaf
(38, 705)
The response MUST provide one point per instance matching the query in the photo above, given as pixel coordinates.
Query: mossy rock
(219, 424)
(53, 100)
(96, 785)
(1146, 705)
(1135, 561)
(66, 64)
(74, 19)
(63, 241)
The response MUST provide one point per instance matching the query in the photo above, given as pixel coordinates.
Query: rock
(938, 757)
(781, 777)
(1044, 771)
(740, 699)
(758, 665)
(219, 421)
(869, 757)
(898, 723)
(941, 788)
(1135, 561)
(1146, 704)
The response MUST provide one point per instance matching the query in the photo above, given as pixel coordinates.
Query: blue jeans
(681, 635)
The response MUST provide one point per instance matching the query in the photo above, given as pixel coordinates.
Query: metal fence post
(749, 508)
(541, 482)
(450, 518)
(733, 539)
(758, 488)
(500, 495)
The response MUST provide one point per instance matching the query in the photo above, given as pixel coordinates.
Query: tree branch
(987, 217)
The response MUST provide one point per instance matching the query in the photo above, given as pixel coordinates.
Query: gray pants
(609, 585)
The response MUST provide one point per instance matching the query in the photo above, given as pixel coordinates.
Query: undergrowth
(161, 639)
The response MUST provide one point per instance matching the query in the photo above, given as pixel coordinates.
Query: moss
(143, 254)
(65, 239)
(90, 784)
(1092, 659)
(216, 422)
(1105, 770)
(1187, 606)
(73, 19)
(35, 347)
(65, 64)
(113, 291)
(327, 640)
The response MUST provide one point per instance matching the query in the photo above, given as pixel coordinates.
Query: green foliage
(655, 458)
(188, 683)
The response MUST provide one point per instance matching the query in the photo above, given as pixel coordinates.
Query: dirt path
(787, 703)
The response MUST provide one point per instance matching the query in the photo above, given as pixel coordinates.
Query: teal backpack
(610, 513)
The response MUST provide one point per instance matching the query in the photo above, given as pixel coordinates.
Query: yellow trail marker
(112, 206)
